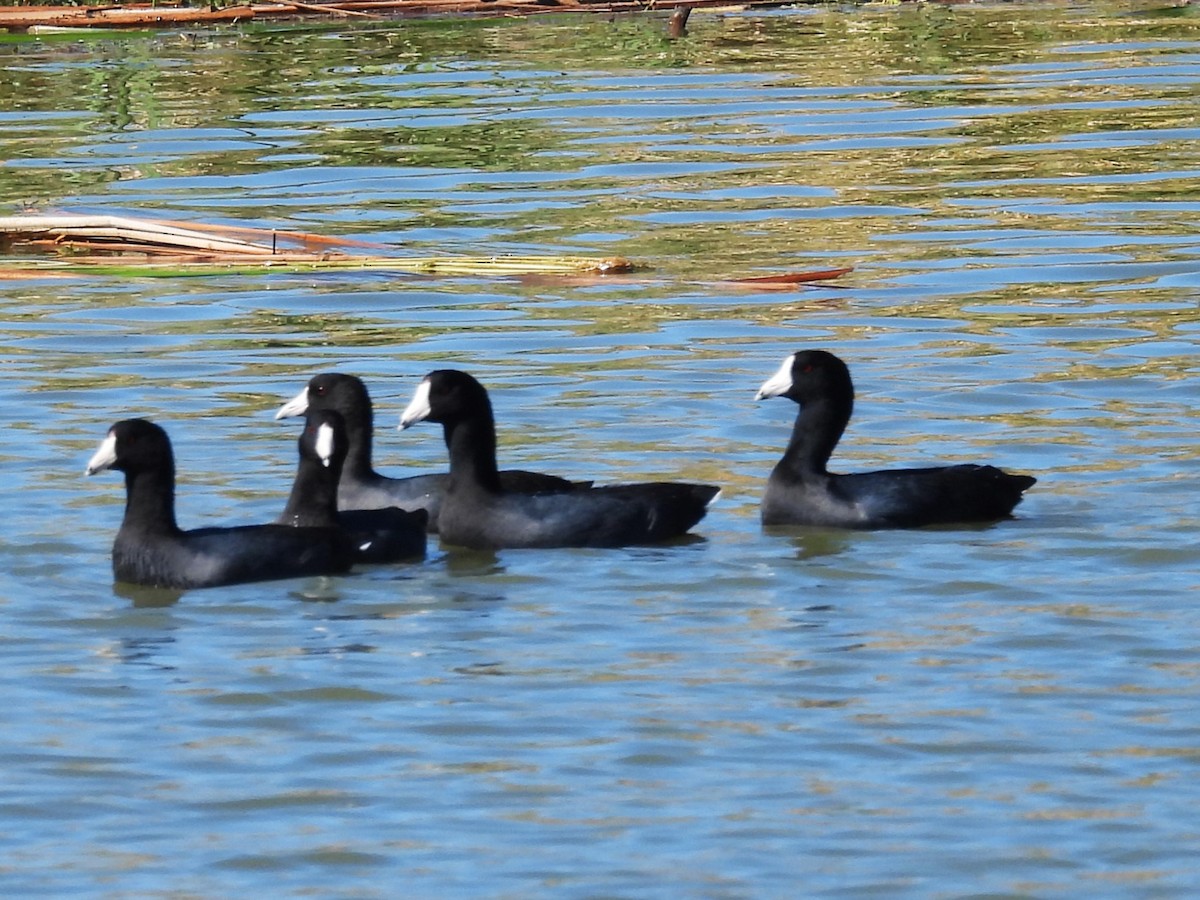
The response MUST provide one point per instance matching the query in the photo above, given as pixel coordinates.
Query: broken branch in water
(786, 278)
(329, 10)
(677, 24)
(116, 230)
(172, 13)
(123, 246)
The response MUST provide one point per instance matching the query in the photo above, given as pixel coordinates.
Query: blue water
(994, 711)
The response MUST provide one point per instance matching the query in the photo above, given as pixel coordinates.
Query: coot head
(329, 390)
(131, 445)
(809, 375)
(446, 395)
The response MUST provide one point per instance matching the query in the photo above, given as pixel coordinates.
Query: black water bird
(480, 512)
(151, 549)
(361, 487)
(801, 491)
(385, 535)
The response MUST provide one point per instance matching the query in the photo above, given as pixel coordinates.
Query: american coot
(478, 511)
(801, 491)
(361, 486)
(150, 549)
(381, 535)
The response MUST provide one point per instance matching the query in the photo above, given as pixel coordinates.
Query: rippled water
(992, 711)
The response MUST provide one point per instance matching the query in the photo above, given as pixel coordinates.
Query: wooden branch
(303, 238)
(331, 10)
(22, 18)
(795, 277)
(121, 229)
(143, 15)
(120, 246)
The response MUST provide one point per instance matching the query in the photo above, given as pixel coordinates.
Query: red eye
(319, 390)
(808, 367)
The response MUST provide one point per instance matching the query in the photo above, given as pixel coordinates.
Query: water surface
(1005, 710)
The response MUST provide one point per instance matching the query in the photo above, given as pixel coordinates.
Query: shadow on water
(142, 597)
(463, 563)
(813, 543)
(316, 590)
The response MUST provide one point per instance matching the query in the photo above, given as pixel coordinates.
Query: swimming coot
(479, 511)
(801, 491)
(150, 549)
(361, 486)
(382, 535)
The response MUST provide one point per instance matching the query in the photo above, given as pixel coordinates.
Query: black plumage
(362, 487)
(385, 535)
(151, 549)
(480, 511)
(802, 491)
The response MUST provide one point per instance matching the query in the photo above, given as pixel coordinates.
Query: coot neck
(819, 426)
(359, 427)
(313, 501)
(472, 444)
(150, 500)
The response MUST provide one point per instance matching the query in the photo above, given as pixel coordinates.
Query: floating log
(144, 15)
(786, 278)
(119, 231)
(124, 246)
(134, 16)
